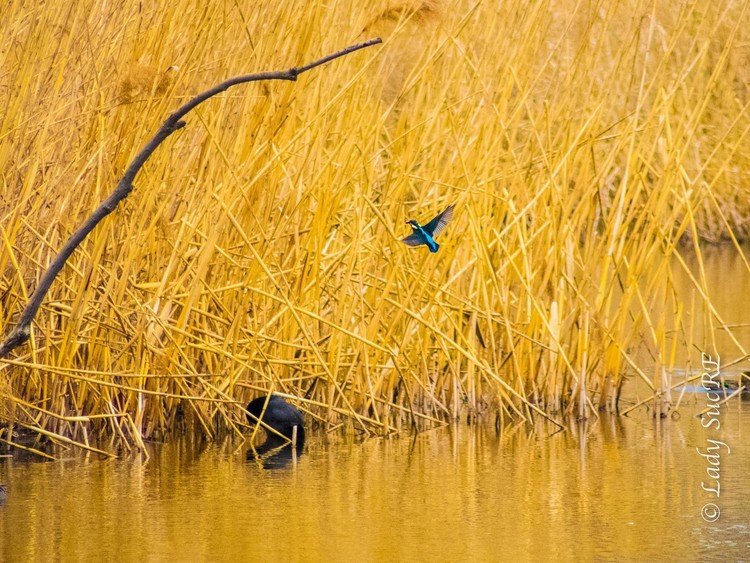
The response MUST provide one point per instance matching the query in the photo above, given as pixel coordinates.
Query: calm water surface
(625, 488)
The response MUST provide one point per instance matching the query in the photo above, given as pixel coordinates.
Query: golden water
(627, 488)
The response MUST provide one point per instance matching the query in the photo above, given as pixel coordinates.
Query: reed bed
(588, 146)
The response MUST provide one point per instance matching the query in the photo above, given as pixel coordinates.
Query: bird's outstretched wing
(436, 226)
(413, 240)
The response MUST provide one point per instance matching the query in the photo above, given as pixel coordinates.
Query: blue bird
(426, 234)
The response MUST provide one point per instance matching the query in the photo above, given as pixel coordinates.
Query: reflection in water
(269, 457)
(726, 277)
(626, 488)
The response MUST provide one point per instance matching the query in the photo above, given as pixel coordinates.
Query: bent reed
(589, 149)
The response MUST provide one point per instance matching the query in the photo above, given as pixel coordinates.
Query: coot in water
(283, 418)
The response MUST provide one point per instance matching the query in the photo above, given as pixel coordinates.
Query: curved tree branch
(21, 333)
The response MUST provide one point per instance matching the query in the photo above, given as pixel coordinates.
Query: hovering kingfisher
(426, 234)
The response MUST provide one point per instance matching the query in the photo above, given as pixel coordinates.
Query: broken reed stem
(21, 333)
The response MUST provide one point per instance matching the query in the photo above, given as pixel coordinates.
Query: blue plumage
(425, 234)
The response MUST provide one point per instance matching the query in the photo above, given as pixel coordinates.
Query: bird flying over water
(425, 234)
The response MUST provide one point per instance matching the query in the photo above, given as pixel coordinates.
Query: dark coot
(279, 415)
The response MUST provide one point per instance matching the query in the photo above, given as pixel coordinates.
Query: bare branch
(21, 333)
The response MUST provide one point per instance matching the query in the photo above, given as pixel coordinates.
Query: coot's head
(279, 415)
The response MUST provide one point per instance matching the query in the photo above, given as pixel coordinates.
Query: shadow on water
(24, 445)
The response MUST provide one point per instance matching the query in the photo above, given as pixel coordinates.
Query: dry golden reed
(588, 146)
